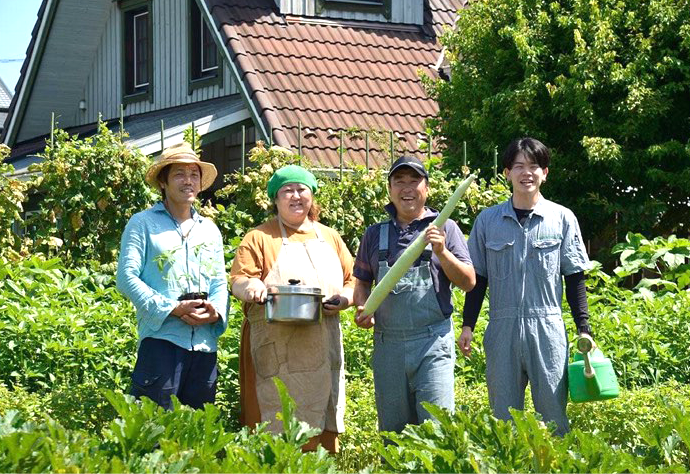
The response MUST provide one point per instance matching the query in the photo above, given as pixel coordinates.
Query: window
(137, 51)
(376, 7)
(204, 58)
(358, 2)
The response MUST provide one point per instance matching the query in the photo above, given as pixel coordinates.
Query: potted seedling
(185, 281)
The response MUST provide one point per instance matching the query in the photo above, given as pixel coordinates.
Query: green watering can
(591, 376)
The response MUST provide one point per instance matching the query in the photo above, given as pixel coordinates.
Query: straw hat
(181, 153)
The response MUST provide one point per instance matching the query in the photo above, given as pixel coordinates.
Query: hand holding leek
(384, 287)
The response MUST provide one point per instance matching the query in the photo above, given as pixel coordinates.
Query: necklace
(178, 225)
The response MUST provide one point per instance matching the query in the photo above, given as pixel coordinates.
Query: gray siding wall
(103, 90)
(402, 11)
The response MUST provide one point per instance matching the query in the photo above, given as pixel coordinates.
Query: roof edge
(32, 62)
(218, 34)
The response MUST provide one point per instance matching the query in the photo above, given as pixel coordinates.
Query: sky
(17, 18)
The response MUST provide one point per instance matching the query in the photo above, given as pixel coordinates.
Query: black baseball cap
(411, 162)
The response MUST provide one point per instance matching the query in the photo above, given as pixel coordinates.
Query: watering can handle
(585, 344)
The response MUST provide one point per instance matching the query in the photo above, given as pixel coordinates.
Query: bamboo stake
(244, 144)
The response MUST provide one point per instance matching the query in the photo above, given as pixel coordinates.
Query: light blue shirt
(525, 264)
(157, 265)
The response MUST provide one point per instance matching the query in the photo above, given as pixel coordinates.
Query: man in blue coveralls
(414, 350)
(167, 250)
(521, 249)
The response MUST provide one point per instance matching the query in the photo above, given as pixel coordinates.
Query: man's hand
(437, 238)
(196, 312)
(465, 341)
(362, 320)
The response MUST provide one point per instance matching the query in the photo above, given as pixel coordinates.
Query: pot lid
(294, 290)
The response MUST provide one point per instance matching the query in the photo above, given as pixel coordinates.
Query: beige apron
(308, 359)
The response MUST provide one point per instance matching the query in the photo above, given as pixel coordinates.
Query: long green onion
(384, 287)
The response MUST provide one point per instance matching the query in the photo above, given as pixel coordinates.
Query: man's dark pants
(164, 369)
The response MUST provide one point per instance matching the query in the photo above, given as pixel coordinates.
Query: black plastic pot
(195, 295)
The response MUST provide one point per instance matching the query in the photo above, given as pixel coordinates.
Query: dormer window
(204, 59)
(137, 50)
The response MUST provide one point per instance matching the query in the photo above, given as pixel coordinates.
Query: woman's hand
(255, 291)
(335, 304)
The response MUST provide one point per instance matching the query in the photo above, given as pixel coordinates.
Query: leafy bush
(665, 259)
(603, 83)
(12, 195)
(90, 188)
(646, 338)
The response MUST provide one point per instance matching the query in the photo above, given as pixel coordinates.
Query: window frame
(131, 91)
(381, 7)
(198, 77)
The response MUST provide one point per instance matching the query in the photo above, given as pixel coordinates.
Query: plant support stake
(244, 144)
(495, 161)
(384, 287)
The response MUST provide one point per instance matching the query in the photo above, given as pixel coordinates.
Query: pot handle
(261, 303)
(335, 300)
(294, 281)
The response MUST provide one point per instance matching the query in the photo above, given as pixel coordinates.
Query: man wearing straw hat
(172, 268)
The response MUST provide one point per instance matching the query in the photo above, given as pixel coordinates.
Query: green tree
(90, 188)
(604, 83)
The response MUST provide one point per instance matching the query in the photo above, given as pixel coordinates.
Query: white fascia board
(32, 63)
(151, 144)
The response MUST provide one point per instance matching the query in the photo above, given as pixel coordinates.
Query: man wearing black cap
(414, 352)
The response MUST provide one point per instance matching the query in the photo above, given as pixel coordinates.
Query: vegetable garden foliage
(470, 441)
(66, 334)
(146, 438)
(604, 83)
(646, 430)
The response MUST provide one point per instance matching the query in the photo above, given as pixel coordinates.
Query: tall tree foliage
(604, 83)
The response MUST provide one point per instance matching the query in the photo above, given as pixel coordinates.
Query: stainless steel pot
(293, 304)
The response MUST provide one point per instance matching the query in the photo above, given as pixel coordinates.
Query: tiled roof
(332, 75)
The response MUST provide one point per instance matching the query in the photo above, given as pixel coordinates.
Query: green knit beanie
(290, 174)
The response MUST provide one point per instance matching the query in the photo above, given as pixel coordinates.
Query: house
(295, 73)
(5, 99)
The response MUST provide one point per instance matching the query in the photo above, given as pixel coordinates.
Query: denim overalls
(414, 350)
